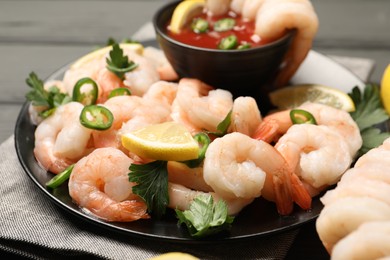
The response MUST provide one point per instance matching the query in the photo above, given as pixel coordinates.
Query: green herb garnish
(369, 113)
(223, 126)
(39, 96)
(204, 141)
(204, 218)
(118, 63)
(152, 185)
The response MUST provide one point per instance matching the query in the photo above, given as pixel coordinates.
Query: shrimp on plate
(61, 140)
(237, 166)
(180, 197)
(245, 116)
(163, 67)
(99, 184)
(360, 197)
(369, 241)
(198, 106)
(316, 154)
(277, 124)
(123, 109)
(137, 81)
(272, 19)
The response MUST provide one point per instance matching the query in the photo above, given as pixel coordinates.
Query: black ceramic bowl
(243, 72)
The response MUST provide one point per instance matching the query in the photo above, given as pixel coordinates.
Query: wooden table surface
(43, 35)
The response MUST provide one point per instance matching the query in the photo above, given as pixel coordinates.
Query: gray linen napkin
(31, 226)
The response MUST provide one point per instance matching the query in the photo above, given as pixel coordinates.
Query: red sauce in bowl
(243, 31)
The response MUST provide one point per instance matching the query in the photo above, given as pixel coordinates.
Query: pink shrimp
(60, 139)
(99, 184)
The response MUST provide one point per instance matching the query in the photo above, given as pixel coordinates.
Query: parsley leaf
(118, 63)
(368, 114)
(39, 96)
(204, 218)
(152, 185)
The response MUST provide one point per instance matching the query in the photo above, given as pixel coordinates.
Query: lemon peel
(100, 53)
(184, 12)
(174, 256)
(385, 89)
(169, 141)
(293, 96)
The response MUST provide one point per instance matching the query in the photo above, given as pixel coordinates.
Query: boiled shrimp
(198, 106)
(237, 166)
(99, 184)
(163, 67)
(162, 92)
(360, 197)
(275, 17)
(318, 155)
(180, 197)
(275, 125)
(123, 109)
(345, 215)
(60, 139)
(369, 241)
(217, 7)
(245, 116)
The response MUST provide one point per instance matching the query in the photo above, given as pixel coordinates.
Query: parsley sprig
(118, 63)
(152, 185)
(369, 113)
(204, 218)
(39, 96)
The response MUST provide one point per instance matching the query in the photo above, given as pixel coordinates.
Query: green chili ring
(88, 98)
(299, 116)
(119, 92)
(96, 117)
(199, 25)
(224, 25)
(228, 43)
(60, 178)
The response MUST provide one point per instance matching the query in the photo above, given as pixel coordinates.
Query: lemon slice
(136, 47)
(293, 96)
(184, 12)
(167, 141)
(174, 256)
(385, 89)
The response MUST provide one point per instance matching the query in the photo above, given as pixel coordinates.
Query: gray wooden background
(44, 35)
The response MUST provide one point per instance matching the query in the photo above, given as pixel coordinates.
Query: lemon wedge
(385, 89)
(184, 12)
(293, 96)
(169, 141)
(97, 54)
(174, 256)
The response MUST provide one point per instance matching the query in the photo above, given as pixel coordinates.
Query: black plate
(258, 219)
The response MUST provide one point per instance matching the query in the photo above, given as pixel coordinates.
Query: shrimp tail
(129, 210)
(267, 131)
(300, 194)
(283, 198)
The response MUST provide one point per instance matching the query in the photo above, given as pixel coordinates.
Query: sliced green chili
(200, 25)
(85, 97)
(204, 140)
(299, 116)
(60, 178)
(224, 24)
(244, 46)
(119, 92)
(228, 43)
(96, 117)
